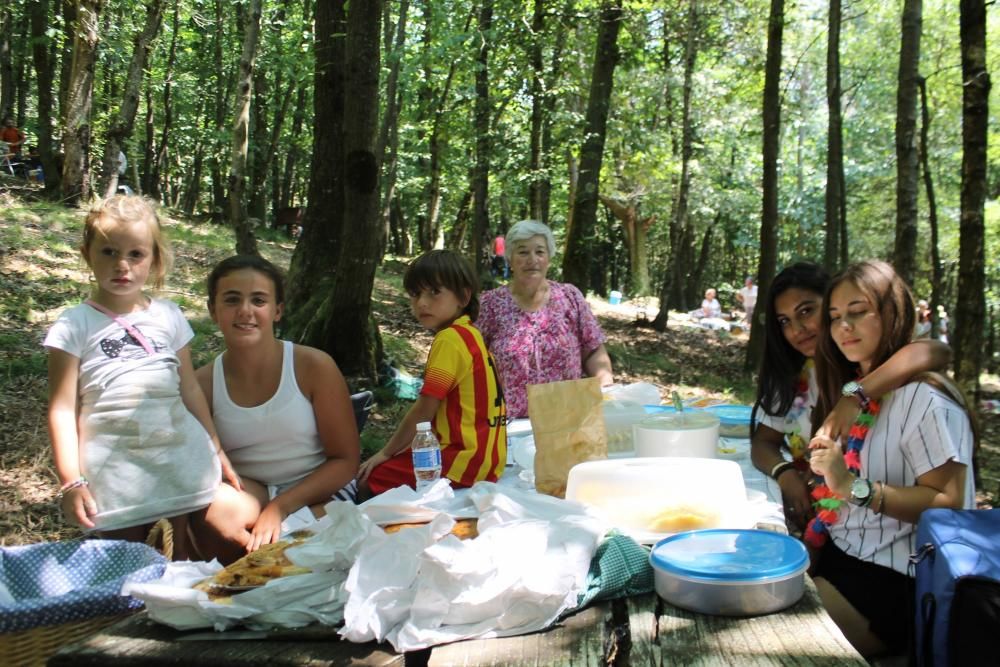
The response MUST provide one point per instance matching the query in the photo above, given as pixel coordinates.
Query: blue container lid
(724, 555)
(731, 414)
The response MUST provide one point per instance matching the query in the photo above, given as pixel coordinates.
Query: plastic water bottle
(426, 456)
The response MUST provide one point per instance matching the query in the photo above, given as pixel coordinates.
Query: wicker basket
(161, 538)
(34, 647)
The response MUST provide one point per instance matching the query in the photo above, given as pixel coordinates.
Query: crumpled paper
(417, 587)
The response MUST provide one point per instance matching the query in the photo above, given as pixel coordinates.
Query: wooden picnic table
(642, 630)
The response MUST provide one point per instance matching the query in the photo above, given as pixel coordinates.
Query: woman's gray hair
(524, 230)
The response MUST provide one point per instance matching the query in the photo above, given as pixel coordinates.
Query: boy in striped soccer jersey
(461, 396)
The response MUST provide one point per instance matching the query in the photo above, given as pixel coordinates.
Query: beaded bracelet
(69, 486)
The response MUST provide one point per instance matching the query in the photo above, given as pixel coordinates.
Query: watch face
(850, 388)
(861, 489)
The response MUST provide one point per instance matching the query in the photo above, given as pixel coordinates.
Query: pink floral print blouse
(548, 345)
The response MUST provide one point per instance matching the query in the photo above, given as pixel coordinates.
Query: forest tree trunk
(121, 127)
(154, 178)
(536, 158)
(246, 243)
(317, 251)
(834, 145)
(388, 134)
(575, 262)
(937, 274)
(349, 333)
(907, 166)
(481, 175)
(769, 179)
(76, 137)
(219, 98)
(7, 87)
(672, 289)
(971, 310)
(45, 78)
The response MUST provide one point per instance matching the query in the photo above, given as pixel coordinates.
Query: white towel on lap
(145, 455)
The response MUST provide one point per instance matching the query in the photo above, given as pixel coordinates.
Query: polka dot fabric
(62, 582)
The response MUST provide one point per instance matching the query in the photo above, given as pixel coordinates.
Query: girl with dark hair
(283, 413)
(907, 451)
(787, 390)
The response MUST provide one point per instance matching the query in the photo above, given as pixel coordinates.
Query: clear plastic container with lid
(426, 456)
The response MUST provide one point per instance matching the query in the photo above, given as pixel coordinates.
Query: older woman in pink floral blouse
(539, 330)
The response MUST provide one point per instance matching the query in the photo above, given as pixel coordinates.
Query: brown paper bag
(567, 421)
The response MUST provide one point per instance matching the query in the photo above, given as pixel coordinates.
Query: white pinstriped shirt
(918, 429)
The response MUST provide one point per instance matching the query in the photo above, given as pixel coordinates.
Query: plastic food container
(652, 498)
(688, 433)
(619, 418)
(730, 572)
(734, 420)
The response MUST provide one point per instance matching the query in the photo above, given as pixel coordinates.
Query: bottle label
(426, 458)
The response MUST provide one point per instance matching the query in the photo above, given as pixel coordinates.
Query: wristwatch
(861, 492)
(855, 389)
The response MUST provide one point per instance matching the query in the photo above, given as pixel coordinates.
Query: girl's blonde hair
(127, 209)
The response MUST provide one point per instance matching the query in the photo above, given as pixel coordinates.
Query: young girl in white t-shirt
(908, 450)
(131, 433)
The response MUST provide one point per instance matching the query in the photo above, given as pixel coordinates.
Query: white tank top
(275, 442)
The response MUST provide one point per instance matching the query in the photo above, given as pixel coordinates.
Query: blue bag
(957, 561)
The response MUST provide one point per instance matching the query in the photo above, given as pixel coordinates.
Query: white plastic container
(691, 433)
(652, 498)
(730, 572)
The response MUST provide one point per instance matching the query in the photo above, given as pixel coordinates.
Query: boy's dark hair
(448, 269)
(239, 262)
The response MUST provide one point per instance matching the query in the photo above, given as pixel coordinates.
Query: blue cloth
(60, 582)
(619, 568)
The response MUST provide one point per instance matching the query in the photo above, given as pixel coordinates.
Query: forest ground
(41, 273)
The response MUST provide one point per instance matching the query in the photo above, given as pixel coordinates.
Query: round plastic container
(734, 420)
(615, 298)
(730, 572)
(688, 433)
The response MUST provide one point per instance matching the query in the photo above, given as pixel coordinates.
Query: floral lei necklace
(828, 503)
(793, 430)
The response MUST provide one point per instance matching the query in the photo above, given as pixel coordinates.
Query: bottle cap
(423, 426)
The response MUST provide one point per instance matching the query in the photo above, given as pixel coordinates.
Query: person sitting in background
(923, 328)
(13, 137)
(461, 395)
(710, 306)
(908, 451)
(942, 324)
(747, 295)
(539, 330)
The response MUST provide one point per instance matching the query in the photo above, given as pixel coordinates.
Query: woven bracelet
(69, 486)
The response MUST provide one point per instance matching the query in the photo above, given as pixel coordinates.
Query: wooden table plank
(804, 634)
(637, 631)
(138, 641)
(581, 639)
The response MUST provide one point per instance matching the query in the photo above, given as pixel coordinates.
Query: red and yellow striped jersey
(471, 422)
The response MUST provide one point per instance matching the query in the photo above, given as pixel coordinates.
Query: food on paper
(464, 529)
(255, 569)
